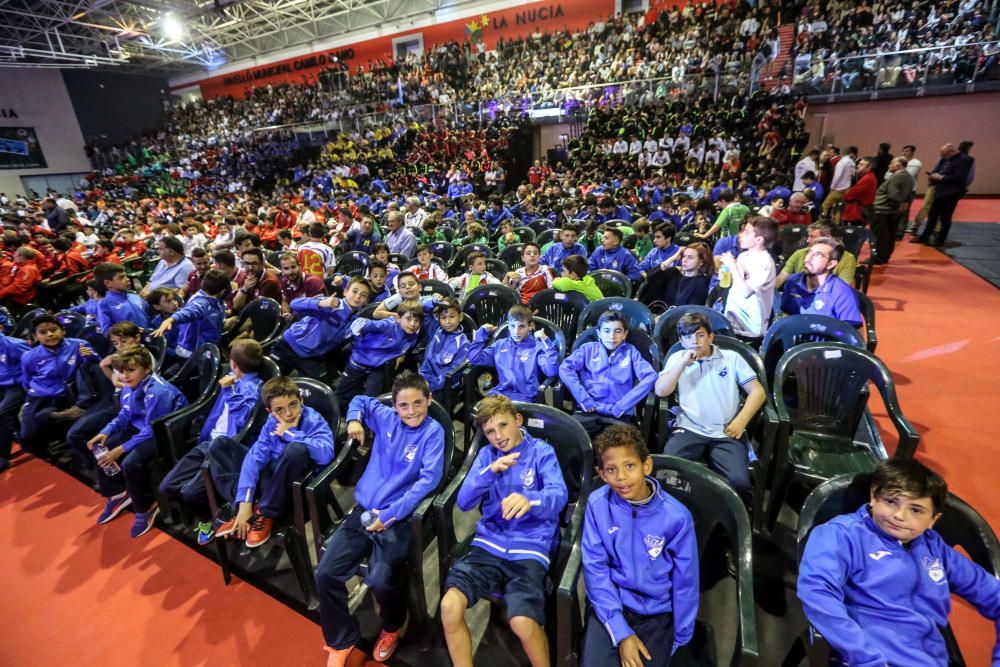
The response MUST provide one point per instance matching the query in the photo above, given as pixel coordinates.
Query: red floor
(82, 595)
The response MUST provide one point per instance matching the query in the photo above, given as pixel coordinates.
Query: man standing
(882, 160)
(860, 196)
(843, 174)
(892, 202)
(803, 166)
(913, 166)
(950, 178)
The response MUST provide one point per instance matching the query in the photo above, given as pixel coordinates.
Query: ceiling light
(173, 29)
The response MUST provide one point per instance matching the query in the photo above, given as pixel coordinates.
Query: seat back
(457, 267)
(97, 341)
(636, 314)
(550, 328)
(716, 509)
(546, 236)
(830, 391)
(612, 283)
(793, 330)
(23, 327)
(665, 331)
(443, 250)
(73, 323)
(265, 319)
(488, 304)
(511, 256)
(854, 238)
(791, 238)
(320, 398)
(562, 308)
(526, 234)
(867, 309)
(497, 267)
(157, 346)
(354, 263)
(539, 226)
(199, 373)
(430, 287)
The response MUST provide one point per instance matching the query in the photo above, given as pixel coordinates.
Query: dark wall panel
(113, 107)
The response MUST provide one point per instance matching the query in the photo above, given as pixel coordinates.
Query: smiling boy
(877, 584)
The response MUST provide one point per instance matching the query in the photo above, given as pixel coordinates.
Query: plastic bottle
(725, 278)
(111, 469)
(368, 518)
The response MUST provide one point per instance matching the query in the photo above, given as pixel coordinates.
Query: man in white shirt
(913, 166)
(306, 215)
(620, 147)
(414, 216)
(751, 297)
(635, 147)
(806, 164)
(843, 174)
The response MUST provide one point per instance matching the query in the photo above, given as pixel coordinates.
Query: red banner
(512, 23)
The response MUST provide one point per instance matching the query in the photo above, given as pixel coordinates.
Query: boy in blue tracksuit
(376, 343)
(447, 346)
(324, 326)
(555, 254)
(201, 318)
(640, 560)
(664, 251)
(230, 414)
(611, 255)
(118, 304)
(877, 584)
(519, 487)
(95, 292)
(11, 391)
(607, 377)
(518, 358)
(294, 440)
(406, 466)
(46, 371)
(129, 437)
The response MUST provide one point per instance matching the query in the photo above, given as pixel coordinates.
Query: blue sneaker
(144, 521)
(206, 533)
(113, 506)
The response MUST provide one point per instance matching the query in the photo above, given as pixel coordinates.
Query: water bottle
(110, 469)
(725, 278)
(368, 518)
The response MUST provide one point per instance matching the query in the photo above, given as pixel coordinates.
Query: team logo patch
(724, 372)
(410, 453)
(654, 545)
(879, 555)
(528, 477)
(935, 570)
(524, 357)
(818, 303)
(623, 363)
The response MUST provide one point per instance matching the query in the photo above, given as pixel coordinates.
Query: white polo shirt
(709, 390)
(749, 312)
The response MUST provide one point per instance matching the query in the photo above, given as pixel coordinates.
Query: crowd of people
(374, 246)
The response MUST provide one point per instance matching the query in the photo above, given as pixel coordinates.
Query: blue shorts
(522, 582)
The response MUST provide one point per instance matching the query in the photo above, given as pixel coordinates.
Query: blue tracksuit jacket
(537, 476)
(321, 330)
(11, 352)
(493, 218)
(312, 431)
(657, 256)
(201, 322)
(240, 399)
(610, 384)
(88, 308)
(878, 602)
(444, 352)
(115, 308)
(406, 463)
(378, 341)
(619, 259)
(555, 254)
(643, 558)
(517, 364)
(46, 371)
(140, 407)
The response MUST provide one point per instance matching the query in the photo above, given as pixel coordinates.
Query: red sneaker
(338, 657)
(226, 529)
(260, 531)
(388, 642)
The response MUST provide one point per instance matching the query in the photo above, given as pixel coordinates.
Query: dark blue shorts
(522, 582)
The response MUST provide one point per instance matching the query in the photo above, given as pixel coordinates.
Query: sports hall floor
(77, 594)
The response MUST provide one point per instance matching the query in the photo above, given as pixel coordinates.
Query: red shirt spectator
(860, 195)
(302, 285)
(18, 279)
